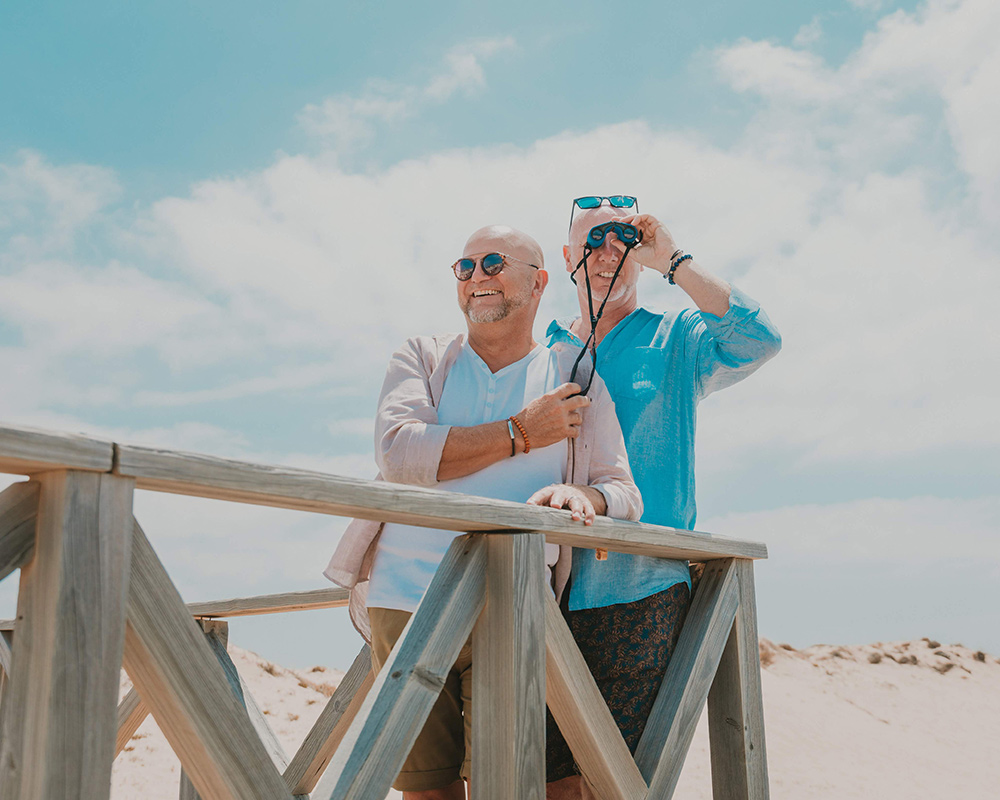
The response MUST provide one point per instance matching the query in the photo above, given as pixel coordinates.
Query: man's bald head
(504, 239)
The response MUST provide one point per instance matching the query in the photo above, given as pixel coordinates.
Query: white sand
(838, 724)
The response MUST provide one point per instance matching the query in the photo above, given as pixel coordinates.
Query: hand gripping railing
(93, 596)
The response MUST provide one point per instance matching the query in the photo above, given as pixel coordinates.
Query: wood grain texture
(272, 603)
(326, 734)
(132, 712)
(5, 655)
(60, 727)
(18, 512)
(667, 737)
(223, 479)
(179, 677)
(736, 708)
(217, 635)
(405, 689)
(508, 676)
(583, 716)
(25, 451)
(5, 638)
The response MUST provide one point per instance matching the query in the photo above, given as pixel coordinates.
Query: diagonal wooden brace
(406, 688)
(584, 718)
(671, 725)
(180, 679)
(326, 734)
(18, 512)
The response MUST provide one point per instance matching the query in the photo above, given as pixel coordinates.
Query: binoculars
(627, 234)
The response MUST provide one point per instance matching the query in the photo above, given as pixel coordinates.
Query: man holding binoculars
(626, 611)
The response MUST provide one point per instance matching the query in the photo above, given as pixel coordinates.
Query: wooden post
(735, 706)
(508, 673)
(59, 730)
(408, 685)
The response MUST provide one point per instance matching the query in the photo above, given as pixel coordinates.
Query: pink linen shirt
(409, 443)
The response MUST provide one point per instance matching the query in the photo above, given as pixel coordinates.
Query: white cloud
(809, 33)
(346, 121)
(868, 5)
(43, 206)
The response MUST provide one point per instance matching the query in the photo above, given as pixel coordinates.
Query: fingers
(566, 390)
(568, 497)
(541, 497)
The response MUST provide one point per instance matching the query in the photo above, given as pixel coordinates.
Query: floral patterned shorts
(627, 647)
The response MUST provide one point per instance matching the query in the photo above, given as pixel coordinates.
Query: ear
(569, 264)
(541, 281)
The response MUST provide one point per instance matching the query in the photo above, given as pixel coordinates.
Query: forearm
(468, 450)
(709, 293)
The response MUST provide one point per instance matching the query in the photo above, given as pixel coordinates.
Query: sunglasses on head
(595, 201)
(492, 264)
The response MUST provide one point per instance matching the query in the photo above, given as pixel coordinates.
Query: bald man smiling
(491, 413)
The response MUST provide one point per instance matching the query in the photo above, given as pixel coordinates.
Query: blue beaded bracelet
(673, 268)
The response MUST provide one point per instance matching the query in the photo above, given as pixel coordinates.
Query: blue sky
(217, 220)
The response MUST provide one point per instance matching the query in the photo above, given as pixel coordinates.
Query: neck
(499, 345)
(614, 312)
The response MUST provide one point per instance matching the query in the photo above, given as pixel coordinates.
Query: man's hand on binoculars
(657, 244)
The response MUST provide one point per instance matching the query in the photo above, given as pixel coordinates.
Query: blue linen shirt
(657, 367)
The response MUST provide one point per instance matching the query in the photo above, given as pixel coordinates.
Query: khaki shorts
(441, 753)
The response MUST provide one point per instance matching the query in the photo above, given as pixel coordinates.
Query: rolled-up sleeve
(610, 472)
(731, 347)
(408, 439)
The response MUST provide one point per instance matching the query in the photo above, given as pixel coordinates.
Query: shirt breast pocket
(636, 374)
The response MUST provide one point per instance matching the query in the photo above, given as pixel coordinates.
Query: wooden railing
(93, 596)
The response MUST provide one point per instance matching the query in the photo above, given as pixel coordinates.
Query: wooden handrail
(199, 475)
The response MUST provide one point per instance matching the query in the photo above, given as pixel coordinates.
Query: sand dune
(891, 720)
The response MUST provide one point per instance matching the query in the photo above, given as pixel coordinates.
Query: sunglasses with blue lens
(492, 264)
(596, 201)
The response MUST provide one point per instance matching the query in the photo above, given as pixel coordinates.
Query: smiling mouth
(485, 292)
(610, 274)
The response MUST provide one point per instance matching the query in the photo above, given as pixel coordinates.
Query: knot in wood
(427, 678)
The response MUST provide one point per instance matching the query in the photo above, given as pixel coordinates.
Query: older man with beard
(487, 413)
(626, 611)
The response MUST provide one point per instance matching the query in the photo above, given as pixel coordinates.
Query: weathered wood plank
(204, 476)
(59, 730)
(25, 451)
(326, 734)
(18, 511)
(5, 638)
(217, 635)
(405, 689)
(736, 708)
(5, 655)
(667, 737)
(178, 676)
(132, 712)
(272, 603)
(508, 679)
(583, 716)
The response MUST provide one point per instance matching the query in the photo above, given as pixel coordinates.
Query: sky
(218, 220)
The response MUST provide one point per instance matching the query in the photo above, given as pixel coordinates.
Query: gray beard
(498, 312)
